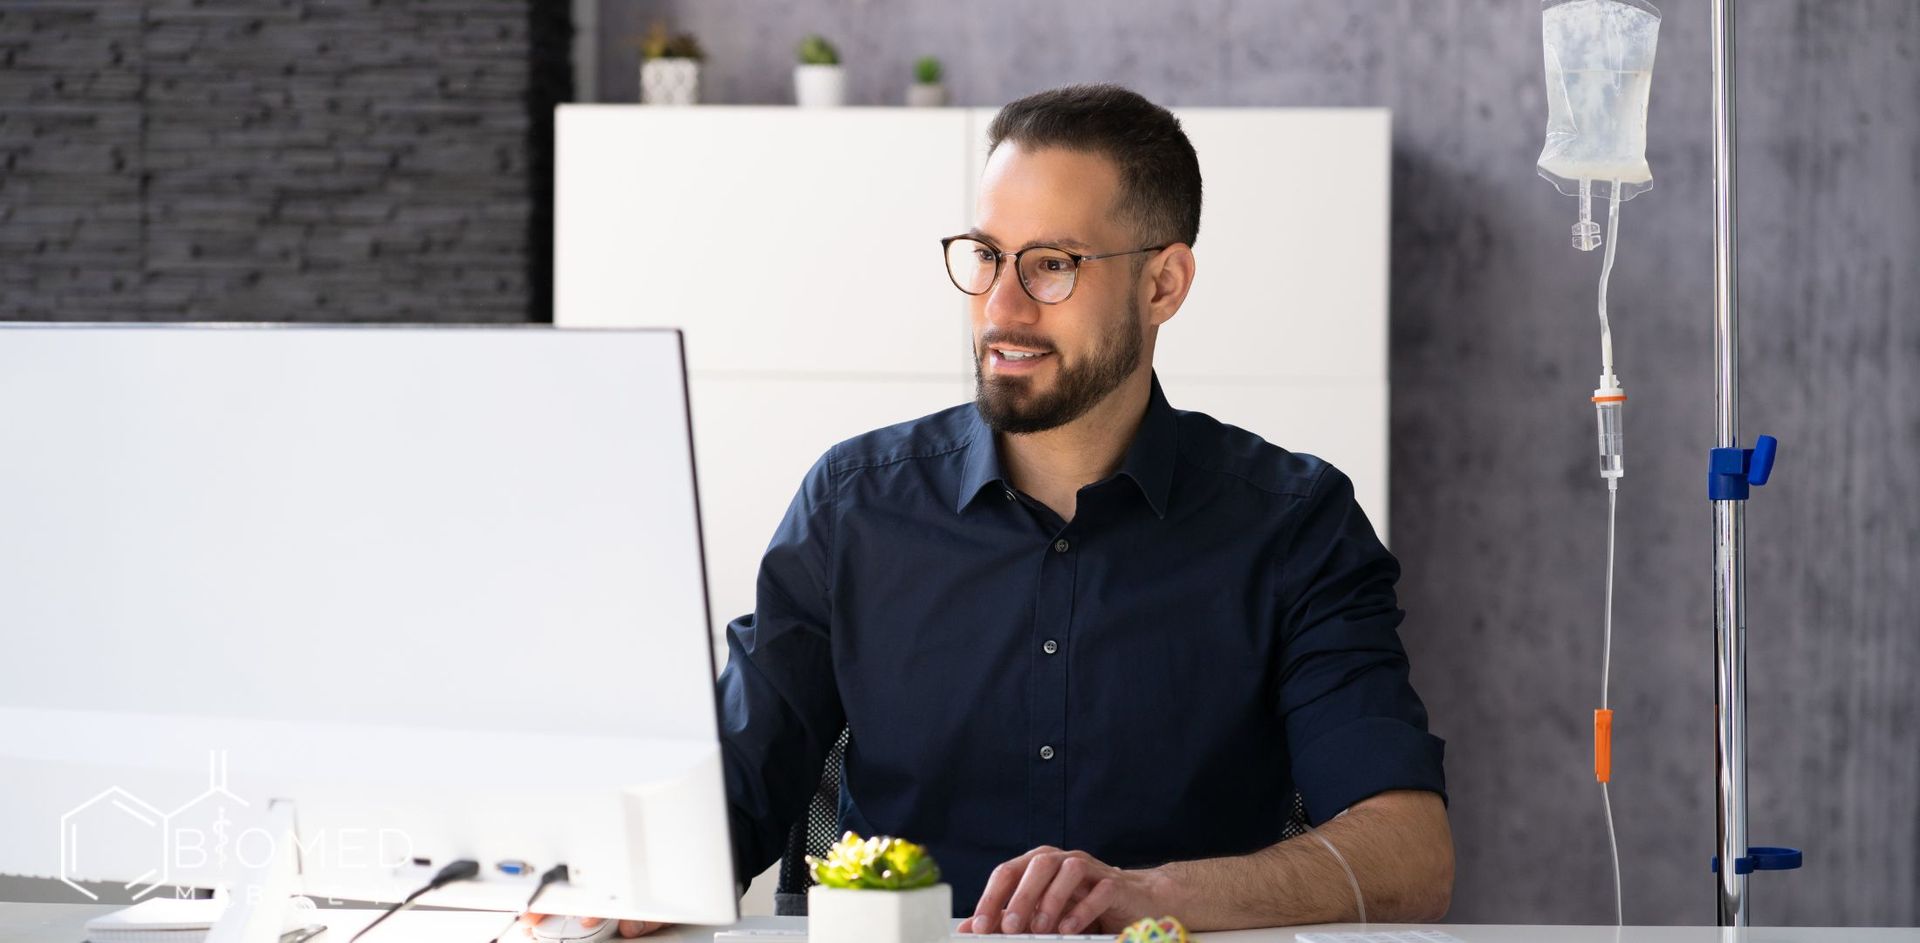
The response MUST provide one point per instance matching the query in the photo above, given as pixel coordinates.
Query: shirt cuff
(1363, 758)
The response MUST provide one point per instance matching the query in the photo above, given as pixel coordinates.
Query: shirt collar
(1149, 460)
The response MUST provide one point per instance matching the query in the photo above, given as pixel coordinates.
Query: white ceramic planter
(819, 86)
(839, 915)
(670, 81)
(921, 95)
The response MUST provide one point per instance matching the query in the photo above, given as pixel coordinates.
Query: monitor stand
(257, 906)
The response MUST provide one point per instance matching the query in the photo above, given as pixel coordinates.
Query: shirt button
(1009, 495)
(1046, 753)
(1050, 647)
(1060, 546)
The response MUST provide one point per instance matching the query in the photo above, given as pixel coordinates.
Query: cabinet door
(782, 241)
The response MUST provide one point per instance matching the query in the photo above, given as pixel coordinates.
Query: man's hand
(1048, 890)
(628, 929)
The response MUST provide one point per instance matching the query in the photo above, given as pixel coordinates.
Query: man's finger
(588, 923)
(632, 928)
(993, 899)
(530, 918)
(1090, 907)
(1041, 869)
(1075, 874)
(1000, 885)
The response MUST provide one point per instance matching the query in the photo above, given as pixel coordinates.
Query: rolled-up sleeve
(780, 710)
(1355, 728)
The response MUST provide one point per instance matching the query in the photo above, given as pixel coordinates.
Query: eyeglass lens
(1047, 274)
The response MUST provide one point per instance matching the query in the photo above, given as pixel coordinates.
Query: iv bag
(1599, 56)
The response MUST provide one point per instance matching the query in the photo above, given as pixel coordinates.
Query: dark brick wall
(298, 160)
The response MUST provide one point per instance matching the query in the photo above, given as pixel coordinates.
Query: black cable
(462, 870)
(554, 875)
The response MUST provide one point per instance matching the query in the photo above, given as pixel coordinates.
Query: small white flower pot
(819, 86)
(840, 915)
(670, 81)
(920, 95)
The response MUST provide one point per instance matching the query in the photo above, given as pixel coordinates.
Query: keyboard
(1378, 936)
(1369, 936)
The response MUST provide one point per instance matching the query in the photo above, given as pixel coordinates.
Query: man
(1086, 647)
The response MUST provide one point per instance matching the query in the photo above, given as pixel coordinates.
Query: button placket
(1052, 629)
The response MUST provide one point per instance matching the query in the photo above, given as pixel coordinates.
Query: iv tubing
(1606, 665)
(1606, 271)
(1359, 902)
(1606, 622)
(1603, 718)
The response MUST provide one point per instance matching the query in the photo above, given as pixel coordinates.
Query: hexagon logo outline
(129, 804)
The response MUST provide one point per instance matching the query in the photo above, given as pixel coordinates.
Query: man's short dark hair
(1159, 173)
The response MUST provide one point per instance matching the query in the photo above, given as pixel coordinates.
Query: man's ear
(1169, 277)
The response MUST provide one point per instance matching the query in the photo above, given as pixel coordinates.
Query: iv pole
(1731, 472)
(1729, 516)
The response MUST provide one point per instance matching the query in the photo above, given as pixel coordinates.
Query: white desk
(64, 923)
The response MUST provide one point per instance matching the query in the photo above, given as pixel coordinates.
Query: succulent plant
(879, 863)
(660, 44)
(815, 50)
(927, 71)
(1151, 930)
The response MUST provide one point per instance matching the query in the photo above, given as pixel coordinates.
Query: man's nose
(1008, 303)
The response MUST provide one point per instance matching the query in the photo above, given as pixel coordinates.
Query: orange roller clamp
(1603, 745)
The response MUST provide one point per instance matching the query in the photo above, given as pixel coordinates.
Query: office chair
(819, 828)
(815, 832)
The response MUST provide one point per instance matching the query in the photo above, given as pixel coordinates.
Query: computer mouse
(554, 928)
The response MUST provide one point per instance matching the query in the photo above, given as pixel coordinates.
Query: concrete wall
(1497, 510)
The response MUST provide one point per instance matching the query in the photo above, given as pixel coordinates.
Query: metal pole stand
(1732, 471)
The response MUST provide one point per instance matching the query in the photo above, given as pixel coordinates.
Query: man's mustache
(1011, 339)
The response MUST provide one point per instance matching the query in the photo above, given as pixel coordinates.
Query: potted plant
(926, 90)
(877, 890)
(669, 67)
(818, 81)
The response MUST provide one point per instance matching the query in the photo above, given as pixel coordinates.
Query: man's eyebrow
(1063, 242)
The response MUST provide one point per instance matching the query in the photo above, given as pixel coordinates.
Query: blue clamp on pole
(1730, 472)
(1763, 859)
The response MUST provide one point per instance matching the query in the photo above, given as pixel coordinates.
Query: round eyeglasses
(1047, 273)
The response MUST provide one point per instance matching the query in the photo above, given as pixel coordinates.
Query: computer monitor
(404, 595)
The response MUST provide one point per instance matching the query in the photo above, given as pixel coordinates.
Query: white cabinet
(783, 241)
(799, 251)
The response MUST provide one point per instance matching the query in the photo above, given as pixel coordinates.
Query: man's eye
(1054, 265)
(985, 256)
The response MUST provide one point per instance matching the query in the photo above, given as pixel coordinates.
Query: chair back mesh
(813, 834)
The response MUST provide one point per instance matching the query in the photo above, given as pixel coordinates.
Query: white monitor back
(445, 581)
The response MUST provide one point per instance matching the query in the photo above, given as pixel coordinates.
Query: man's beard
(1009, 405)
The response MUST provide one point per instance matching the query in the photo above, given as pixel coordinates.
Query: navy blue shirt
(1153, 681)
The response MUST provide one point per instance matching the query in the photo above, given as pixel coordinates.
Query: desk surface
(64, 923)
